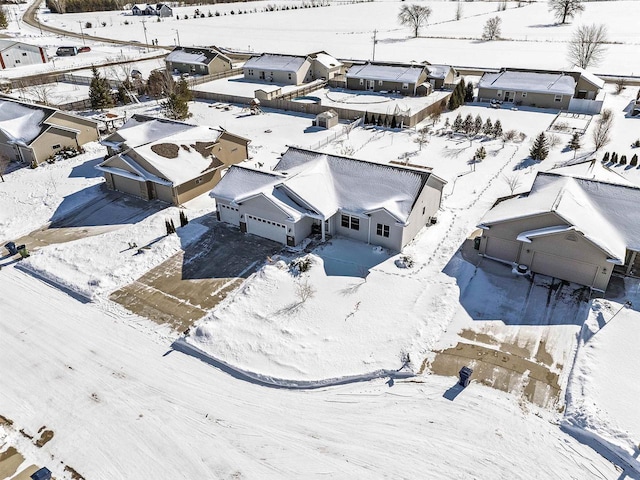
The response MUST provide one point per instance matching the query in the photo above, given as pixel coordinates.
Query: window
(499, 93)
(423, 210)
(382, 230)
(361, 81)
(380, 82)
(289, 76)
(405, 86)
(17, 61)
(524, 94)
(558, 98)
(347, 221)
(56, 146)
(250, 72)
(24, 54)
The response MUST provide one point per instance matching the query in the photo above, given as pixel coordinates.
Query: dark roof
(208, 53)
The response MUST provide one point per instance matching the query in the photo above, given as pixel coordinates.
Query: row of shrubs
(622, 160)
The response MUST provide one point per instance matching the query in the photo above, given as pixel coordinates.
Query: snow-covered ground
(123, 403)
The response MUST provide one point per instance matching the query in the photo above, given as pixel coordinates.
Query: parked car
(67, 51)
(84, 49)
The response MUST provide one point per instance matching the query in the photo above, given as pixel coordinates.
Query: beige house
(571, 228)
(291, 69)
(313, 192)
(442, 76)
(407, 79)
(197, 61)
(171, 161)
(33, 133)
(575, 91)
(19, 54)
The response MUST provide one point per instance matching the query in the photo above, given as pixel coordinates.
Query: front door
(509, 96)
(371, 84)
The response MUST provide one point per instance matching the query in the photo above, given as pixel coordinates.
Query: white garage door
(229, 214)
(563, 268)
(267, 229)
(502, 249)
(127, 185)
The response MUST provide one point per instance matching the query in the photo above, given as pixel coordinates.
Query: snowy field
(124, 401)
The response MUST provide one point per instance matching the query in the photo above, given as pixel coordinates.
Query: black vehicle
(67, 51)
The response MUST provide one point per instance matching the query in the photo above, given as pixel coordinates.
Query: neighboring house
(34, 133)
(311, 192)
(573, 91)
(407, 79)
(18, 54)
(441, 76)
(160, 9)
(572, 228)
(197, 61)
(171, 161)
(325, 66)
(276, 68)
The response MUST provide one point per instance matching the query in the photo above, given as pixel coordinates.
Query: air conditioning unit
(433, 220)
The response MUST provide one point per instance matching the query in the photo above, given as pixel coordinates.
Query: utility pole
(144, 27)
(82, 32)
(375, 33)
(177, 34)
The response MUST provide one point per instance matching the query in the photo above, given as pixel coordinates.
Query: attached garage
(267, 229)
(228, 214)
(564, 268)
(503, 249)
(128, 185)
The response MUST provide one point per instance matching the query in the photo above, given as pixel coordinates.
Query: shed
(326, 119)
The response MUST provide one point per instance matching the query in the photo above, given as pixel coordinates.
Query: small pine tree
(457, 96)
(497, 129)
(477, 127)
(457, 124)
(574, 143)
(3, 19)
(394, 124)
(623, 160)
(634, 160)
(468, 124)
(487, 129)
(366, 118)
(176, 107)
(99, 91)
(183, 90)
(183, 218)
(447, 124)
(605, 159)
(468, 93)
(480, 154)
(540, 148)
(614, 157)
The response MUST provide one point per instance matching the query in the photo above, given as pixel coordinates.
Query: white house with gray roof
(407, 79)
(309, 191)
(18, 54)
(276, 68)
(197, 61)
(577, 229)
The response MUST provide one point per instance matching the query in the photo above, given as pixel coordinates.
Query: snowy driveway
(518, 341)
(182, 289)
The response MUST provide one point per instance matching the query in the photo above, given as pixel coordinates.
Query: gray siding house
(171, 161)
(407, 79)
(574, 229)
(33, 133)
(282, 69)
(311, 192)
(197, 61)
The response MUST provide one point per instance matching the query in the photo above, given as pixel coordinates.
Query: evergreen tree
(605, 159)
(497, 129)
(623, 160)
(447, 124)
(540, 148)
(123, 96)
(457, 124)
(183, 91)
(468, 124)
(99, 92)
(634, 160)
(614, 157)
(477, 126)
(3, 19)
(176, 107)
(457, 96)
(487, 129)
(468, 93)
(574, 143)
(366, 118)
(481, 154)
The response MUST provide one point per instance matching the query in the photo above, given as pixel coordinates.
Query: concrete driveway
(517, 333)
(182, 289)
(106, 211)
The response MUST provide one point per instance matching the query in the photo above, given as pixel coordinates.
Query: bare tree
(415, 16)
(492, 29)
(41, 93)
(304, 290)
(553, 140)
(423, 137)
(512, 181)
(4, 164)
(587, 45)
(601, 135)
(565, 9)
(459, 10)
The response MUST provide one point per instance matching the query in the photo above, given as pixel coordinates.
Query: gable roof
(405, 73)
(534, 82)
(591, 170)
(194, 55)
(141, 129)
(605, 213)
(276, 63)
(591, 78)
(318, 184)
